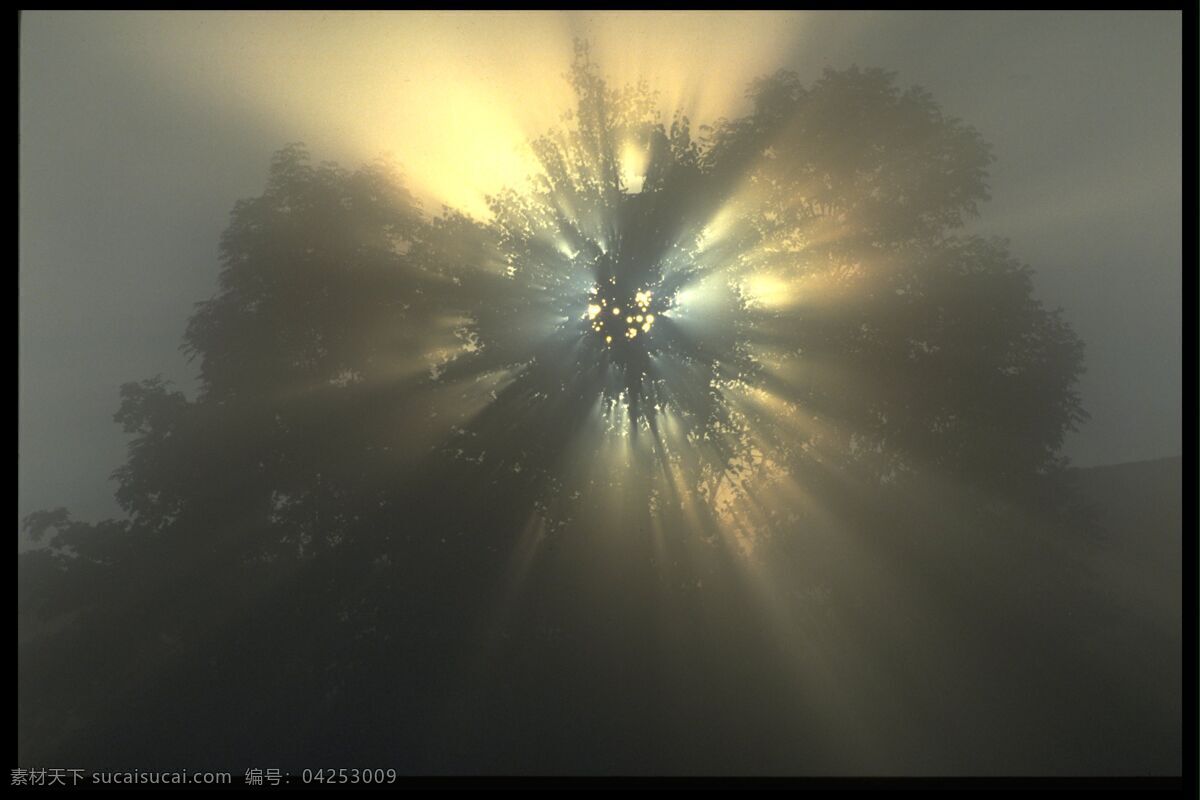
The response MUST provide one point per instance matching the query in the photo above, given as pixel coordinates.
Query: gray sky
(140, 131)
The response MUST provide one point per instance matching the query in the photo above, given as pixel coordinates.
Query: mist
(596, 394)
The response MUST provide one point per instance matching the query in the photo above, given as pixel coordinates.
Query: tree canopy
(412, 430)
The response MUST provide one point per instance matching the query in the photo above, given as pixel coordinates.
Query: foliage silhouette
(418, 492)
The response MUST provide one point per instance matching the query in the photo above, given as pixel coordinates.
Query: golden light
(767, 291)
(633, 167)
(453, 97)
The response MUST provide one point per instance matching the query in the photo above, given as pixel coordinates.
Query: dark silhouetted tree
(422, 444)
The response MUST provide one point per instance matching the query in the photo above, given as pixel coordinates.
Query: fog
(139, 131)
(824, 359)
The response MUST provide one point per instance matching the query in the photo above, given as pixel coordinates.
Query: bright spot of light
(765, 290)
(633, 167)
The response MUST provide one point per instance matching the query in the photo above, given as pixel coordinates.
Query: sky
(139, 132)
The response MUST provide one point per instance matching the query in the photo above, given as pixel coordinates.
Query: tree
(623, 369)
